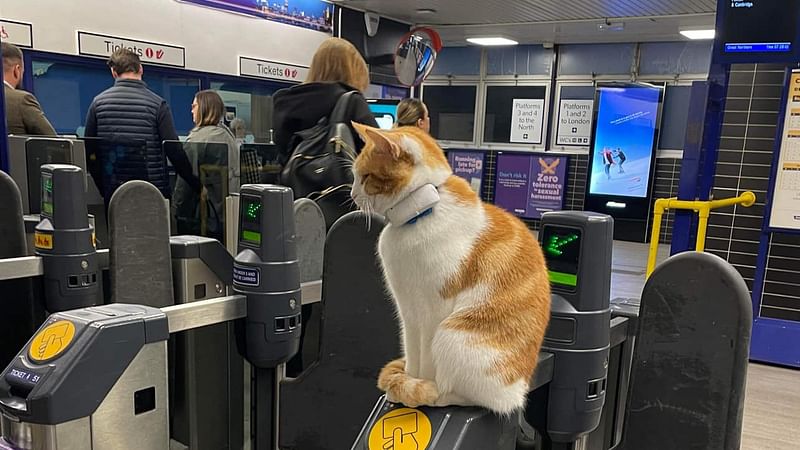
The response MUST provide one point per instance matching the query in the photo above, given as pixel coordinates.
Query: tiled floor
(772, 403)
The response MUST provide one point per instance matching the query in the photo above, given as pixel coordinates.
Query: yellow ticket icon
(401, 429)
(51, 340)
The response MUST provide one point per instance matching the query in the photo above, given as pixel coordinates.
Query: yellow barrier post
(703, 208)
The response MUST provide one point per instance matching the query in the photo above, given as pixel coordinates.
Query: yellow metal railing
(703, 208)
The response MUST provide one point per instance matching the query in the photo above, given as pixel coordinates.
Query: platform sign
(529, 185)
(17, 33)
(469, 166)
(785, 211)
(92, 44)
(527, 119)
(574, 122)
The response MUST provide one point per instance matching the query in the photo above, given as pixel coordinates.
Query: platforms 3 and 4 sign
(92, 44)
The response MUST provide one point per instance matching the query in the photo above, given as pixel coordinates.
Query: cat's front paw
(390, 373)
(416, 392)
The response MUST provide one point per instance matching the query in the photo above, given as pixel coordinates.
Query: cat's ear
(380, 139)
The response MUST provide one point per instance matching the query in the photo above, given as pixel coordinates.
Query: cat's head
(394, 163)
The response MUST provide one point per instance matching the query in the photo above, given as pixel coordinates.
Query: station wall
(213, 39)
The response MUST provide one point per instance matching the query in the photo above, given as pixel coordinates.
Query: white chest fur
(419, 258)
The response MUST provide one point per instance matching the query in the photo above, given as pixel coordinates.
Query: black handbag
(319, 167)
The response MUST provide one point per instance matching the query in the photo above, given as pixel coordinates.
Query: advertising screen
(624, 140)
(469, 166)
(757, 30)
(529, 185)
(312, 14)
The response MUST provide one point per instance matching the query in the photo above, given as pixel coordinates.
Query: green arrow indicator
(554, 245)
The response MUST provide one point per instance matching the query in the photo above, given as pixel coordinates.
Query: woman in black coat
(336, 68)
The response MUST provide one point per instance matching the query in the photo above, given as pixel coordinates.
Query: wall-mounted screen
(385, 112)
(312, 14)
(624, 139)
(751, 31)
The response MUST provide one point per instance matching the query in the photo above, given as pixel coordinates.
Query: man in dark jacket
(133, 122)
(23, 113)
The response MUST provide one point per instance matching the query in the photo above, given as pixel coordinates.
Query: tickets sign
(92, 44)
(271, 70)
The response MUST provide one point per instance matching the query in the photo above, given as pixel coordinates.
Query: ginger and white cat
(468, 279)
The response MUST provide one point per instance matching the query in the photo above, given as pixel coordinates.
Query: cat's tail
(402, 388)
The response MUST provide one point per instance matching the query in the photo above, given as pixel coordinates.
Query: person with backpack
(312, 127)
(315, 139)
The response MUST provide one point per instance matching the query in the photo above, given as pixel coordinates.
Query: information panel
(786, 192)
(469, 166)
(574, 122)
(529, 185)
(527, 118)
(757, 30)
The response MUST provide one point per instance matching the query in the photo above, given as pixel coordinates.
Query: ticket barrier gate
(572, 371)
(45, 399)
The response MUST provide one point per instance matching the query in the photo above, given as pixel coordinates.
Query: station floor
(772, 401)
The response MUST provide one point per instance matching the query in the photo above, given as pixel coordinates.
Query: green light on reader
(566, 279)
(555, 243)
(252, 211)
(48, 184)
(251, 236)
(47, 208)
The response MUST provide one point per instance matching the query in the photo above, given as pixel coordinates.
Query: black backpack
(319, 167)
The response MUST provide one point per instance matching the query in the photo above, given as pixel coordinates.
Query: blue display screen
(385, 114)
(759, 48)
(624, 140)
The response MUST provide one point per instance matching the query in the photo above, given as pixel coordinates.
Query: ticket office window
(65, 87)
(452, 111)
(252, 103)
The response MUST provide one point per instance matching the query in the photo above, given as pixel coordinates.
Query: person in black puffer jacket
(128, 117)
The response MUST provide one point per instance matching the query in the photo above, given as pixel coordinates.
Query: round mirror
(415, 55)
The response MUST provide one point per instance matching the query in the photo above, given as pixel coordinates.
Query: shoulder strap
(339, 113)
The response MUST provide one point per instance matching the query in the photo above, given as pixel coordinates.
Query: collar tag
(415, 206)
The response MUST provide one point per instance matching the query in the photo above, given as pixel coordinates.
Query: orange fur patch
(509, 261)
(388, 167)
(461, 190)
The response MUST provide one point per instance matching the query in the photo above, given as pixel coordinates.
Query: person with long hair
(336, 68)
(208, 109)
(412, 112)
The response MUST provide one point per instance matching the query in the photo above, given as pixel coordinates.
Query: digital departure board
(251, 221)
(752, 31)
(562, 250)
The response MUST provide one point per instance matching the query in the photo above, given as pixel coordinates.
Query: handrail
(703, 208)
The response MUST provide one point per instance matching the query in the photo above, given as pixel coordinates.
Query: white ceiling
(558, 21)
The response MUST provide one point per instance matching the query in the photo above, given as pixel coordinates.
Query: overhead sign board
(574, 122)
(17, 33)
(271, 70)
(92, 44)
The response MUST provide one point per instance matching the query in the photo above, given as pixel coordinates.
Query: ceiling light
(698, 34)
(426, 11)
(491, 41)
